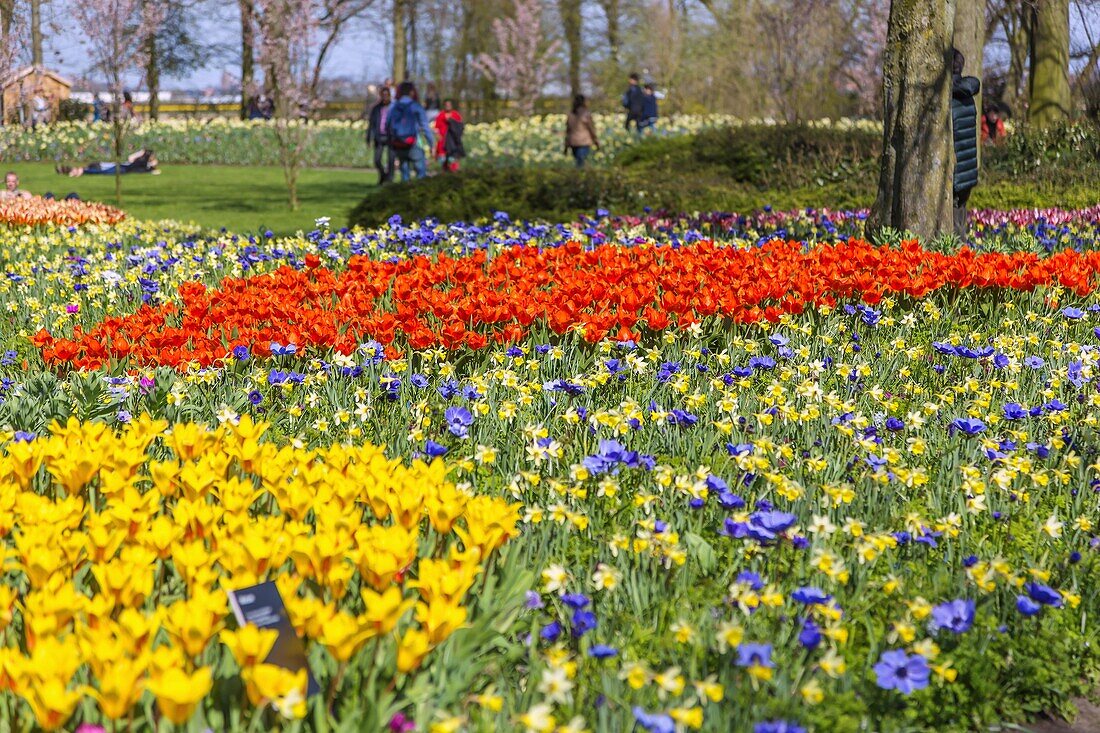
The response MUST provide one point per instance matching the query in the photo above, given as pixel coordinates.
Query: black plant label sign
(262, 606)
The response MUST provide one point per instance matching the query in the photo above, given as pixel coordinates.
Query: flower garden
(335, 143)
(720, 472)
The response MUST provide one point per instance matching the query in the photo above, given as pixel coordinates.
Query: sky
(363, 53)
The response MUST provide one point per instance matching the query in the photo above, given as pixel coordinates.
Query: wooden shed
(20, 88)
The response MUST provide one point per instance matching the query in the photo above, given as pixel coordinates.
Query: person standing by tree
(378, 137)
(648, 120)
(580, 132)
(447, 124)
(406, 121)
(993, 127)
(964, 126)
(633, 102)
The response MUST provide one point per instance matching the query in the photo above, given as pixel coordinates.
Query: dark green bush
(73, 110)
(525, 193)
(741, 169)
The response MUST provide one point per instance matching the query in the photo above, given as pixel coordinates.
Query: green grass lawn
(242, 199)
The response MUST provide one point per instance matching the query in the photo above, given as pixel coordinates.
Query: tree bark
(400, 40)
(248, 53)
(970, 34)
(7, 18)
(36, 32)
(1017, 27)
(614, 39)
(918, 157)
(1050, 93)
(570, 11)
(152, 74)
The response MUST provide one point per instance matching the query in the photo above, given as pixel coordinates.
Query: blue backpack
(403, 127)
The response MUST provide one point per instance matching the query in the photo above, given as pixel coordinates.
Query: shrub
(741, 169)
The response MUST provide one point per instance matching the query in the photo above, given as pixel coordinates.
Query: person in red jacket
(993, 127)
(443, 123)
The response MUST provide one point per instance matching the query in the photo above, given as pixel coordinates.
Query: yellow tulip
(269, 683)
(344, 635)
(249, 644)
(179, 693)
(51, 703)
(414, 646)
(24, 459)
(120, 687)
(191, 628)
(384, 610)
(440, 618)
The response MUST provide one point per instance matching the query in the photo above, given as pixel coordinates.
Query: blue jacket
(418, 114)
(649, 107)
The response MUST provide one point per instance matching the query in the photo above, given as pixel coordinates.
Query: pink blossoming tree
(524, 62)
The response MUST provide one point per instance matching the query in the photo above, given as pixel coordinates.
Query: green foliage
(742, 169)
(73, 110)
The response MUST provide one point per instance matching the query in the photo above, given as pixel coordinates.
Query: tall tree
(400, 39)
(918, 158)
(613, 14)
(11, 40)
(248, 53)
(1014, 19)
(970, 34)
(1050, 93)
(571, 18)
(36, 32)
(173, 48)
(114, 31)
(7, 20)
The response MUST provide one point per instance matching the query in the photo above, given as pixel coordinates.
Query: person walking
(127, 109)
(448, 146)
(379, 138)
(431, 102)
(580, 131)
(648, 120)
(633, 102)
(964, 129)
(40, 108)
(406, 121)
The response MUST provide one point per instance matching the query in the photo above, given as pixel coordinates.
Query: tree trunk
(1050, 94)
(571, 25)
(400, 40)
(152, 75)
(970, 33)
(36, 32)
(117, 127)
(611, 11)
(1017, 27)
(7, 18)
(918, 157)
(248, 53)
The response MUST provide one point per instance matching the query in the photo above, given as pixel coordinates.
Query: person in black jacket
(377, 136)
(964, 128)
(634, 102)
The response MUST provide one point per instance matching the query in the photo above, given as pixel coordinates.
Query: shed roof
(28, 71)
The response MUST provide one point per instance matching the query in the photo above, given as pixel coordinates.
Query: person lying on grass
(143, 161)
